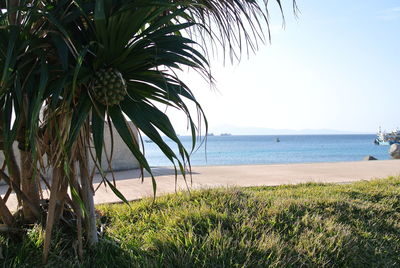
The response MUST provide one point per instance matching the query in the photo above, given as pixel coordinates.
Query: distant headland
(235, 130)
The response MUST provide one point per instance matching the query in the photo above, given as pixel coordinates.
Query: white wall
(122, 157)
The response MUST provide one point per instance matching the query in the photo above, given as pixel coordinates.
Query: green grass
(311, 225)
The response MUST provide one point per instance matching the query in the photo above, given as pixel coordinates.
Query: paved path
(133, 188)
(248, 175)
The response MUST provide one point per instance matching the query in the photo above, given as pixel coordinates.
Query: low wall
(122, 158)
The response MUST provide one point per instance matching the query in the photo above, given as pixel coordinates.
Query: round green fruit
(108, 86)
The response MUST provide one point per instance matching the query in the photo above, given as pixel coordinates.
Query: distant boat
(226, 134)
(278, 140)
(383, 138)
(148, 141)
(210, 134)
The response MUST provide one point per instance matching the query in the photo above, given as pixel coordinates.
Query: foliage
(312, 225)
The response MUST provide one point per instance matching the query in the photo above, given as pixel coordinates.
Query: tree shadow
(135, 174)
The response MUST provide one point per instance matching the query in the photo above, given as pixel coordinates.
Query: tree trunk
(77, 209)
(61, 195)
(29, 182)
(54, 189)
(13, 170)
(29, 185)
(87, 196)
(12, 17)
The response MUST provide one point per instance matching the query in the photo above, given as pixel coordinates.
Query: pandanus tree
(71, 69)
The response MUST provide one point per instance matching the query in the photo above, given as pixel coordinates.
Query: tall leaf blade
(140, 119)
(117, 192)
(78, 118)
(99, 11)
(98, 130)
(121, 126)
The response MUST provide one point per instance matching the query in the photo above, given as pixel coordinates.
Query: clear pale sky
(337, 66)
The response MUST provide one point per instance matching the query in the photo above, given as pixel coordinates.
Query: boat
(148, 141)
(278, 140)
(226, 134)
(210, 134)
(387, 138)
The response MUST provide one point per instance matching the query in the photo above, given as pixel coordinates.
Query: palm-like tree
(70, 68)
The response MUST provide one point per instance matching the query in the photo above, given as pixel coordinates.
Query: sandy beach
(133, 188)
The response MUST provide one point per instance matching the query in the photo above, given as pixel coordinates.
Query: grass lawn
(312, 225)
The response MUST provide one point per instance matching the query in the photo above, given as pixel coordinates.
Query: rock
(394, 151)
(369, 157)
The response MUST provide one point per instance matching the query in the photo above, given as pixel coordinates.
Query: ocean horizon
(264, 149)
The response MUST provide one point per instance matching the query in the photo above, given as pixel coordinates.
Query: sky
(335, 66)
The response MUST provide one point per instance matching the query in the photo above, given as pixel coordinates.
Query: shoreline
(277, 164)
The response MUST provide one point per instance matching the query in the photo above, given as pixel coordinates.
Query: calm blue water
(242, 150)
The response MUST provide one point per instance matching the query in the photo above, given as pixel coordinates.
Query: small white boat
(387, 138)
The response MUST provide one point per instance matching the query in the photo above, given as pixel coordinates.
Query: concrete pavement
(133, 188)
(248, 175)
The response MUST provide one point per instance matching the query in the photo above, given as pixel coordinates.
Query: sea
(264, 149)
